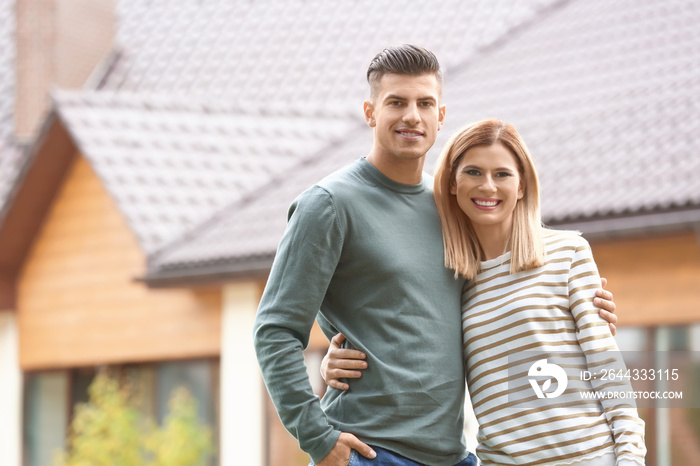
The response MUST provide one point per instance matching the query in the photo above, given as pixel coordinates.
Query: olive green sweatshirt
(367, 252)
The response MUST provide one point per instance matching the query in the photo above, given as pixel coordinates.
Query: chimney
(59, 44)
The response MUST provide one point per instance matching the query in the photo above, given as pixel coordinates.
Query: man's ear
(368, 108)
(441, 116)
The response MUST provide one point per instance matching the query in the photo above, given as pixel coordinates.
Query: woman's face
(487, 185)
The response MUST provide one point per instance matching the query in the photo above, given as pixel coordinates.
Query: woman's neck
(494, 240)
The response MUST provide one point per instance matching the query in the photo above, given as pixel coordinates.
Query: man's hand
(339, 363)
(340, 454)
(604, 300)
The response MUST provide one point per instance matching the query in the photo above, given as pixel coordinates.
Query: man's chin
(411, 155)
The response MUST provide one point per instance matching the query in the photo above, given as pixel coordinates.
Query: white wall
(242, 402)
(10, 391)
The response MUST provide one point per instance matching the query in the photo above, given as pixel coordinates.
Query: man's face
(406, 115)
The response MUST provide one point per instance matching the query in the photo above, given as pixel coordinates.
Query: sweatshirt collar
(380, 178)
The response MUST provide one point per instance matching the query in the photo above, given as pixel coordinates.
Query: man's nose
(411, 115)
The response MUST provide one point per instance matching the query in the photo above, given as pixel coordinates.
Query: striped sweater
(516, 328)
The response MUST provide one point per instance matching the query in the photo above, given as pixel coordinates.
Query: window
(49, 398)
(45, 416)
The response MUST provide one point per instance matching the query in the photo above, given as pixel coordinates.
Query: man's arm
(303, 267)
(604, 300)
(340, 363)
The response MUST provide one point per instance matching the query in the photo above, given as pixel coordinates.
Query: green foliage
(110, 430)
(182, 441)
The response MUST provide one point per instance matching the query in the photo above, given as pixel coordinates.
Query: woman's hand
(604, 300)
(340, 363)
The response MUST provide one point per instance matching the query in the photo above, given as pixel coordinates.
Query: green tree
(182, 441)
(109, 430)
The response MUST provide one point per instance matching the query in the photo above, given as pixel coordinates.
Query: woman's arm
(602, 356)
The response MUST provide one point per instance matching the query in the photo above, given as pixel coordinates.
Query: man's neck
(405, 171)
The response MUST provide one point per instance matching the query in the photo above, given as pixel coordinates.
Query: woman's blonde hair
(463, 252)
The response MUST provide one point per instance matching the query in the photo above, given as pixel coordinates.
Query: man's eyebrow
(422, 99)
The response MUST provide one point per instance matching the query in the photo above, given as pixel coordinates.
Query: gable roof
(11, 157)
(205, 103)
(606, 96)
(242, 238)
(170, 163)
(7, 67)
(12, 162)
(296, 51)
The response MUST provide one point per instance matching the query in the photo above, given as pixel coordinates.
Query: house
(142, 197)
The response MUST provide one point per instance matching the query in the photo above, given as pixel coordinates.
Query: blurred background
(149, 150)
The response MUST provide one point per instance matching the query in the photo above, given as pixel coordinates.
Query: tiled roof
(296, 51)
(12, 161)
(247, 232)
(607, 97)
(7, 67)
(11, 157)
(171, 158)
(605, 94)
(170, 163)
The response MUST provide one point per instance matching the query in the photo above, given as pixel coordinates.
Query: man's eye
(426, 104)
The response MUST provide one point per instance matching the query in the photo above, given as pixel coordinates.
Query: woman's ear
(521, 189)
(453, 187)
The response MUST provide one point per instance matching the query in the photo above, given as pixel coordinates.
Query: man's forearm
(282, 364)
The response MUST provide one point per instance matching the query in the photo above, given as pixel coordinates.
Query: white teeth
(486, 203)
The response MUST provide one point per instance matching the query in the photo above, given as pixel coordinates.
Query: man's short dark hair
(404, 59)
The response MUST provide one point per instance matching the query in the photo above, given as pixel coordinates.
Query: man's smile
(409, 134)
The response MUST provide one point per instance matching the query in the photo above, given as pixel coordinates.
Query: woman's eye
(473, 172)
(503, 174)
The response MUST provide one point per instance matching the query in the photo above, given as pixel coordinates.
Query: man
(365, 247)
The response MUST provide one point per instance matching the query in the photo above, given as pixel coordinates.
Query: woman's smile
(486, 204)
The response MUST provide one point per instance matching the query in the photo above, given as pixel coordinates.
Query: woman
(528, 310)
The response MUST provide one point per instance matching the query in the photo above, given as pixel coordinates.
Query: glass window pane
(80, 382)
(45, 416)
(201, 379)
(632, 338)
(195, 376)
(142, 380)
